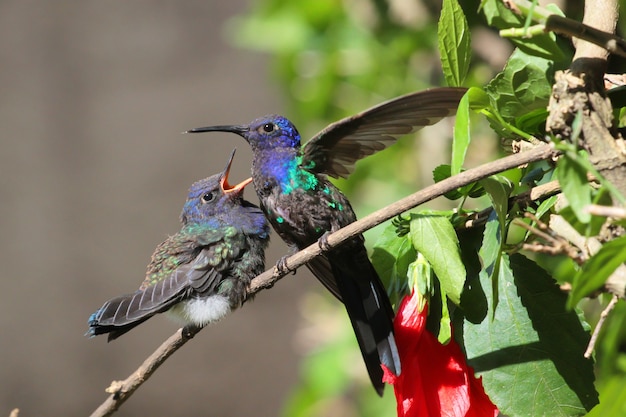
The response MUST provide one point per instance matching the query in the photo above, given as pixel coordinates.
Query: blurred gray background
(94, 175)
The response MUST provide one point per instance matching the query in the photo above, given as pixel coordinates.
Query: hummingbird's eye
(208, 197)
(269, 127)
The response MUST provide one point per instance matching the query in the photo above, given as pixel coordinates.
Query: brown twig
(596, 331)
(606, 211)
(616, 283)
(574, 29)
(555, 244)
(121, 390)
(541, 229)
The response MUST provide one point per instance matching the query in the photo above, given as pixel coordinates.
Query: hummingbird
(303, 206)
(201, 273)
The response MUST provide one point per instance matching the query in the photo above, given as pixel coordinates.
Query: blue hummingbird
(303, 205)
(201, 273)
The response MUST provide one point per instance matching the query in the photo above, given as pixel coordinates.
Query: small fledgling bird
(302, 205)
(201, 273)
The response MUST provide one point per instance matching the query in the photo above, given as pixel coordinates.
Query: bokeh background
(95, 171)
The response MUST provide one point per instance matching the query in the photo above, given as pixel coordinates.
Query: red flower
(435, 379)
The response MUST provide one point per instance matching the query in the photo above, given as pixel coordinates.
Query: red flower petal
(435, 380)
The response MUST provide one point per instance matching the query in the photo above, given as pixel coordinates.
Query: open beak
(226, 187)
(238, 129)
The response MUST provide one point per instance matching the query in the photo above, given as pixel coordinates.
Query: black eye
(269, 127)
(208, 197)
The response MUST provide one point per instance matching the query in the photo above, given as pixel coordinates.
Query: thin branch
(121, 390)
(555, 244)
(572, 28)
(616, 283)
(596, 331)
(537, 232)
(606, 211)
(599, 16)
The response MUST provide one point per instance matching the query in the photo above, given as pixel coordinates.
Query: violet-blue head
(267, 132)
(212, 198)
(201, 273)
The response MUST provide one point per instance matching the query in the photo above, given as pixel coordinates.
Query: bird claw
(281, 266)
(190, 330)
(323, 242)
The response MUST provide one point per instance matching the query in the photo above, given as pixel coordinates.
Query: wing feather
(121, 314)
(335, 150)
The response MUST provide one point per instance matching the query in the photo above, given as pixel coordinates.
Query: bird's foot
(281, 267)
(190, 330)
(323, 242)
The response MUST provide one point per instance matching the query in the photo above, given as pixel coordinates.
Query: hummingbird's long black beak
(238, 129)
(226, 187)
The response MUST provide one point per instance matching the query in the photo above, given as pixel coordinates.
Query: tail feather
(321, 268)
(369, 310)
(121, 314)
(107, 319)
(113, 317)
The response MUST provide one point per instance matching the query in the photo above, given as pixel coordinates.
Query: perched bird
(201, 273)
(302, 205)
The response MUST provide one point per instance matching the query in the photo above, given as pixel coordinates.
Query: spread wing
(335, 150)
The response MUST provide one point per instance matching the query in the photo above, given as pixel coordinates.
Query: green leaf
(445, 329)
(533, 122)
(478, 99)
(498, 188)
(461, 135)
(572, 177)
(597, 269)
(454, 43)
(500, 16)
(433, 235)
(545, 206)
(473, 190)
(530, 355)
(612, 399)
(490, 253)
(391, 258)
(523, 86)
(492, 244)
(473, 300)
(442, 172)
